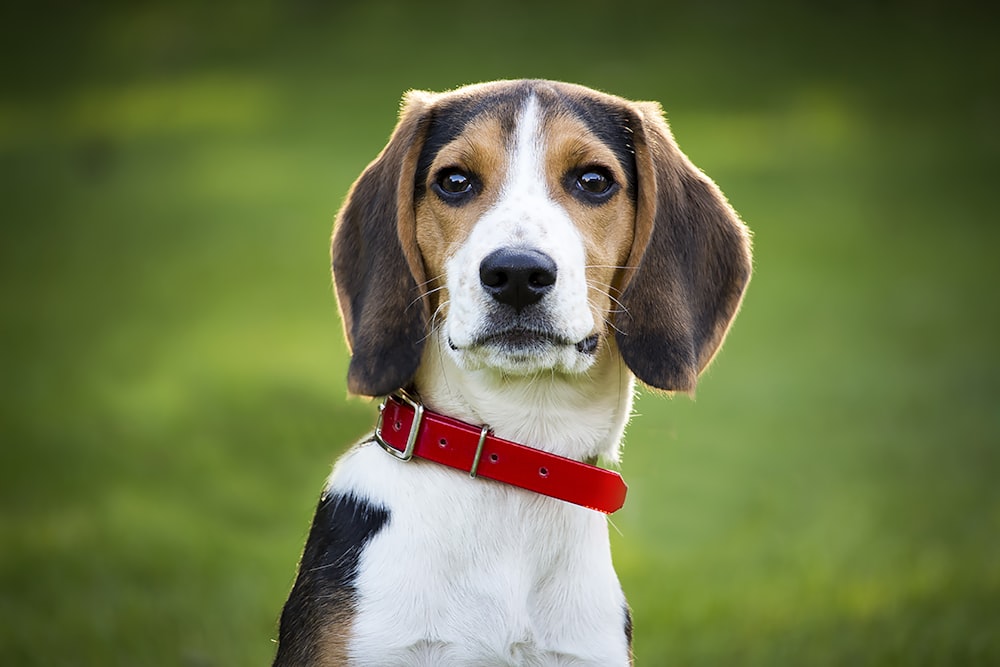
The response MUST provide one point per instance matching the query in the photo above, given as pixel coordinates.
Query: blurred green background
(173, 370)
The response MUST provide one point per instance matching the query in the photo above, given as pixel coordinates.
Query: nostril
(541, 279)
(517, 277)
(492, 276)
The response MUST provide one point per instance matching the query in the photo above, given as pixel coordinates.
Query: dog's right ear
(377, 267)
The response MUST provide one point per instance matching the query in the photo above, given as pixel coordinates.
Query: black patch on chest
(628, 627)
(324, 589)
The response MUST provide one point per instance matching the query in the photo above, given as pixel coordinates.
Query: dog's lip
(522, 337)
(525, 337)
(589, 344)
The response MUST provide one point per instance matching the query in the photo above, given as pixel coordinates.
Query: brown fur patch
(335, 636)
(440, 228)
(607, 229)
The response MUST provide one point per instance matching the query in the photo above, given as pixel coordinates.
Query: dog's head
(532, 223)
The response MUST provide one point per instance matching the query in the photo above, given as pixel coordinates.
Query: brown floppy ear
(376, 264)
(691, 255)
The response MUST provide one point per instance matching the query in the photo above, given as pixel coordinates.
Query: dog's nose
(517, 277)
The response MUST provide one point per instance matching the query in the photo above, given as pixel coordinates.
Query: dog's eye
(593, 184)
(453, 185)
(455, 182)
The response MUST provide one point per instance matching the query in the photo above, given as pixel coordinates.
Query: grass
(172, 369)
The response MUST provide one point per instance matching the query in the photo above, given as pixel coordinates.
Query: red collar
(406, 429)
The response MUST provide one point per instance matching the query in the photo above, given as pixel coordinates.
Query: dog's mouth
(588, 345)
(522, 340)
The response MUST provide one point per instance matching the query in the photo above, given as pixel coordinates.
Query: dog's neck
(582, 416)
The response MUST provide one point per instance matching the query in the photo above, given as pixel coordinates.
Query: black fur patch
(449, 119)
(341, 528)
(628, 627)
(610, 124)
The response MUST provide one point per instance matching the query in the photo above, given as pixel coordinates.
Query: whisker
(435, 322)
(441, 363)
(621, 306)
(615, 311)
(612, 325)
(609, 266)
(429, 281)
(424, 295)
(595, 285)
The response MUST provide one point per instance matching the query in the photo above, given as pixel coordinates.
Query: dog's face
(523, 219)
(532, 225)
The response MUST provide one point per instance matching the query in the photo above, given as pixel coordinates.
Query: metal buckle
(411, 439)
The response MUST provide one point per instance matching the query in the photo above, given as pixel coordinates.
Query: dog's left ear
(691, 260)
(377, 266)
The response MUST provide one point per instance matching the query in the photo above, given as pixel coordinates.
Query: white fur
(524, 216)
(470, 571)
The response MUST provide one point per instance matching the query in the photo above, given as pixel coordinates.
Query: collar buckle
(411, 439)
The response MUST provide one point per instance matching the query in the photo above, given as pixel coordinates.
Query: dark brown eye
(455, 182)
(454, 185)
(594, 181)
(592, 185)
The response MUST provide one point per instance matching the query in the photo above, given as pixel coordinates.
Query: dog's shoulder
(315, 623)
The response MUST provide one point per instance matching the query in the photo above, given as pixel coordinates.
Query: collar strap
(406, 429)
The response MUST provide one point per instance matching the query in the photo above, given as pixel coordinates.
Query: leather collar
(406, 429)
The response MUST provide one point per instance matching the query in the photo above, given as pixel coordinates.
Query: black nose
(517, 277)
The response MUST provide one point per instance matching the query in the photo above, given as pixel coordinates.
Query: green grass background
(172, 370)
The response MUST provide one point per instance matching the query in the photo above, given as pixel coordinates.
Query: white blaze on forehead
(527, 172)
(527, 216)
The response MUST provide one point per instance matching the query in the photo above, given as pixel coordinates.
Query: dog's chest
(468, 572)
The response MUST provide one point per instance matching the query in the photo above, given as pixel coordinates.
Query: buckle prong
(411, 438)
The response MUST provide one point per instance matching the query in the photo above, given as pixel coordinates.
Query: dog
(518, 254)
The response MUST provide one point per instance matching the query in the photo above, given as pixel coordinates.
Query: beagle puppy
(513, 259)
